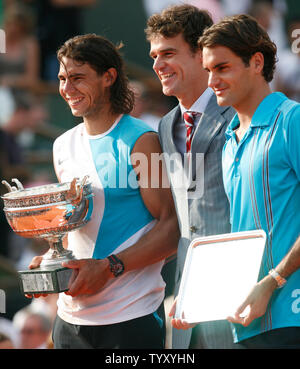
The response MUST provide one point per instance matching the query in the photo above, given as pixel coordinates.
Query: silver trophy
(49, 212)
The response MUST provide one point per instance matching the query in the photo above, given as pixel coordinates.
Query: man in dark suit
(192, 137)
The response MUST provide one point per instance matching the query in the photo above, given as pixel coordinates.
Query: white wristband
(280, 280)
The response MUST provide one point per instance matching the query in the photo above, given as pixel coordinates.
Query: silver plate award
(219, 272)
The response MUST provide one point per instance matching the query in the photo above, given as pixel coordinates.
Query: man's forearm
(291, 262)
(158, 244)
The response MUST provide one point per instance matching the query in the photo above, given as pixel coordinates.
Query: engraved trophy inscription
(49, 212)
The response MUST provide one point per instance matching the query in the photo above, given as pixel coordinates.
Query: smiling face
(82, 88)
(178, 69)
(233, 82)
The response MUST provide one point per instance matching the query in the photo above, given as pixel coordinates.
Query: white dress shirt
(198, 106)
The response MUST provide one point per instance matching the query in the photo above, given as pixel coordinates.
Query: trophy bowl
(49, 212)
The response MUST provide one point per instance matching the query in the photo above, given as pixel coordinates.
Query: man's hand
(89, 276)
(35, 263)
(255, 305)
(179, 323)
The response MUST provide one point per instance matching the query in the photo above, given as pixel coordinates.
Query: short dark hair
(187, 20)
(243, 35)
(101, 55)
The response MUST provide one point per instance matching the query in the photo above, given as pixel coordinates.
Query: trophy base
(53, 279)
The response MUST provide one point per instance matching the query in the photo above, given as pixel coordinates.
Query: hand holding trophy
(48, 212)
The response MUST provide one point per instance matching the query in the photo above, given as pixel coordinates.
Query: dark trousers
(281, 338)
(147, 332)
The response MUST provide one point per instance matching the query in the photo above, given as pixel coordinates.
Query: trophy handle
(13, 188)
(76, 191)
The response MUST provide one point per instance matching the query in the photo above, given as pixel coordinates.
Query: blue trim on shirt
(125, 212)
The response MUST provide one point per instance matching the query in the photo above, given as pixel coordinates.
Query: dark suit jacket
(206, 213)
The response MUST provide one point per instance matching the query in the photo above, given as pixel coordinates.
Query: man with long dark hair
(115, 297)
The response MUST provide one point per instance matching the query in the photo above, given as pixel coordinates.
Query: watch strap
(280, 280)
(116, 265)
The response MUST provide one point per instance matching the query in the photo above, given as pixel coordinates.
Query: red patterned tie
(189, 118)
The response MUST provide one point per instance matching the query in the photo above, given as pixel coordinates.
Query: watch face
(116, 265)
(117, 269)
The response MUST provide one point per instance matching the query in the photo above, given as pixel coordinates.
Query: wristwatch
(280, 280)
(116, 265)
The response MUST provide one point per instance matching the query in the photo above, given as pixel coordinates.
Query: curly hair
(243, 36)
(187, 20)
(101, 55)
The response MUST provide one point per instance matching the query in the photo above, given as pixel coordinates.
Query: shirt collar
(263, 114)
(200, 104)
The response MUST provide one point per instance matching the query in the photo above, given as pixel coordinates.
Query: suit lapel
(176, 170)
(211, 122)
(167, 133)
